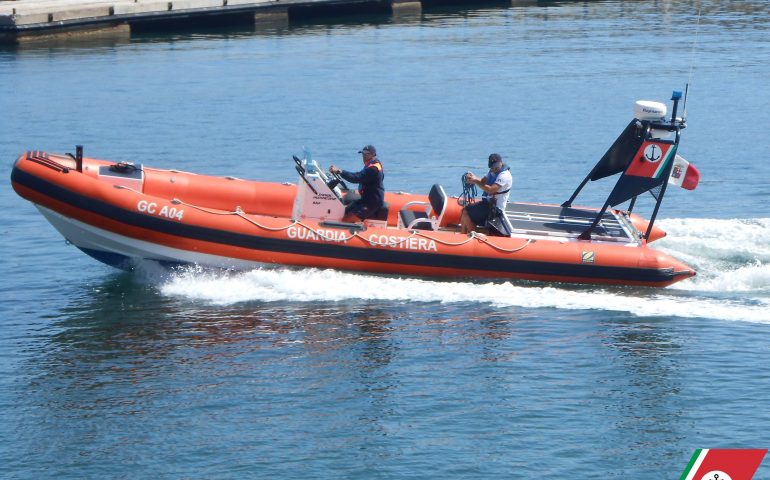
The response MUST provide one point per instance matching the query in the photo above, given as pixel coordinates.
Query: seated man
(497, 185)
(370, 180)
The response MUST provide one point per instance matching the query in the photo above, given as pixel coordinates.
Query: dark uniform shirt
(372, 191)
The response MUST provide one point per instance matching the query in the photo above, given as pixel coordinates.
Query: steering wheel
(299, 167)
(337, 180)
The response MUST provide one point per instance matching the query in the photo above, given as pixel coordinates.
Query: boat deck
(565, 222)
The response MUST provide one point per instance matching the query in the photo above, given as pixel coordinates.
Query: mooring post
(405, 6)
(271, 17)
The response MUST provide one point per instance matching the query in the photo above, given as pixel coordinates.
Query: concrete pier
(24, 19)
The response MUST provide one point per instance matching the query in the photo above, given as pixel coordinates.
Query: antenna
(684, 107)
(692, 64)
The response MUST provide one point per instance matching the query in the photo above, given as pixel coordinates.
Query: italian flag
(684, 174)
(723, 464)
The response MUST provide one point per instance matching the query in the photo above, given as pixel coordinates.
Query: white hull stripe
(88, 237)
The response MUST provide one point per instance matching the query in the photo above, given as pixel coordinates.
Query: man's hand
(334, 170)
(471, 178)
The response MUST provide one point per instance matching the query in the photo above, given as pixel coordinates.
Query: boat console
(323, 196)
(319, 196)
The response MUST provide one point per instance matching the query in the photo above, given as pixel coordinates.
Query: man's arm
(367, 175)
(494, 188)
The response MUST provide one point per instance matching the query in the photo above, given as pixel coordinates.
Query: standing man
(497, 185)
(370, 186)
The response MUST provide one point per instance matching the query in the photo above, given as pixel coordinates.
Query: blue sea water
(317, 373)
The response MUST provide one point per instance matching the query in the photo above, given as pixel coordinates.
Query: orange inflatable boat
(119, 213)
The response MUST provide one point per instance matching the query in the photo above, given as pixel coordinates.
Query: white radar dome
(649, 110)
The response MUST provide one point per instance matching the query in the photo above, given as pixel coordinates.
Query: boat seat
(429, 218)
(382, 213)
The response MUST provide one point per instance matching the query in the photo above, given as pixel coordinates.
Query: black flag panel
(620, 153)
(650, 168)
(644, 155)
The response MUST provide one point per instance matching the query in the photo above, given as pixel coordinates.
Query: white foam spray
(729, 255)
(733, 281)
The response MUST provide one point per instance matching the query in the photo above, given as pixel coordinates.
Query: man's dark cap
(494, 158)
(370, 149)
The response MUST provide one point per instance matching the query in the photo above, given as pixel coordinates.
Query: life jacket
(496, 223)
(378, 195)
(490, 178)
(375, 162)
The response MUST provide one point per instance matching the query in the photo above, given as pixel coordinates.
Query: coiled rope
(469, 192)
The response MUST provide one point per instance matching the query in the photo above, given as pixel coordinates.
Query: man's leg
(353, 213)
(473, 215)
(466, 224)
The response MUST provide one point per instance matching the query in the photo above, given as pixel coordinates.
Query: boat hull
(119, 225)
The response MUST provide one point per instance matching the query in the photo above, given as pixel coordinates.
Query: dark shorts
(478, 212)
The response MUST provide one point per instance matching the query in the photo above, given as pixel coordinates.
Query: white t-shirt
(505, 180)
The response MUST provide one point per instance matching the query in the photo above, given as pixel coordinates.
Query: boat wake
(741, 265)
(729, 255)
